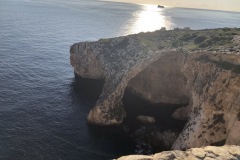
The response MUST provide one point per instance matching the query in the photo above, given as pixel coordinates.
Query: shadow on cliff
(84, 93)
(90, 90)
(162, 112)
(131, 130)
(114, 138)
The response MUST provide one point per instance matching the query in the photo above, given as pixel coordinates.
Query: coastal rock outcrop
(117, 60)
(215, 93)
(199, 70)
(206, 153)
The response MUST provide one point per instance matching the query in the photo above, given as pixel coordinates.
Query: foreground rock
(199, 70)
(206, 153)
(146, 119)
(151, 140)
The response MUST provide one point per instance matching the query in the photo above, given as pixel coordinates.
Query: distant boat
(159, 6)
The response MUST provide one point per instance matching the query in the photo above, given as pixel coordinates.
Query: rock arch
(212, 85)
(118, 63)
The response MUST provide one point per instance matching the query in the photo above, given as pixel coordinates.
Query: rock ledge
(206, 153)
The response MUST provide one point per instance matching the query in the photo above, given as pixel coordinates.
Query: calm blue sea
(42, 114)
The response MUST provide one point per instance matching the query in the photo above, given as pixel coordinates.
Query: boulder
(146, 119)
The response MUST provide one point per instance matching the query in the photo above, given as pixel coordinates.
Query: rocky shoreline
(199, 71)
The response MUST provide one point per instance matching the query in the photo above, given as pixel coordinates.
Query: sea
(42, 112)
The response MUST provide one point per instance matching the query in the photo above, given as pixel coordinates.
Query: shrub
(163, 29)
(237, 29)
(187, 28)
(161, 47)
(203, 45)
(226, 29)
(188, 37)
(177, 29)
(216, 38)
(176, 44)
(199, 39)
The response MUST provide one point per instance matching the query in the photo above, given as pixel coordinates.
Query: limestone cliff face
(162, 81)
(164, 67)
(117, 61)
(206, 153)
(215, 92)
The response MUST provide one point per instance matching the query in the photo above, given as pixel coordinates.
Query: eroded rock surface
(215, 96)
(162, 81)
(206, 153)
(198, 69)
(117, 60)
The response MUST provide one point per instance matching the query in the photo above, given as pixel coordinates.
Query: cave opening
(92, 88)
(157, 104)
(162, 112)
(151, 137)
(158, 92)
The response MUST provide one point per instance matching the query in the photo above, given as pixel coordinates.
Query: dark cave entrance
(162, 112)
(155, 137)
(91, 88)
(157, 92)
(134, 105)
(147, 138)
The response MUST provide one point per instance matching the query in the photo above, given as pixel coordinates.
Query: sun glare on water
(150, 18)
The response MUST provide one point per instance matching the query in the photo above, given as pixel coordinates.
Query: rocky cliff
(199, 70)
(206, 153)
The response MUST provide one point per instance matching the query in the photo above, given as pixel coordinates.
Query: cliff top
(222, 40)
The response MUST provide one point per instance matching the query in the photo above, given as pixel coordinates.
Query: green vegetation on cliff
(209, 39)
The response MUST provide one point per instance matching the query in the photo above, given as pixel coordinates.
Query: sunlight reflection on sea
(150, 18)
